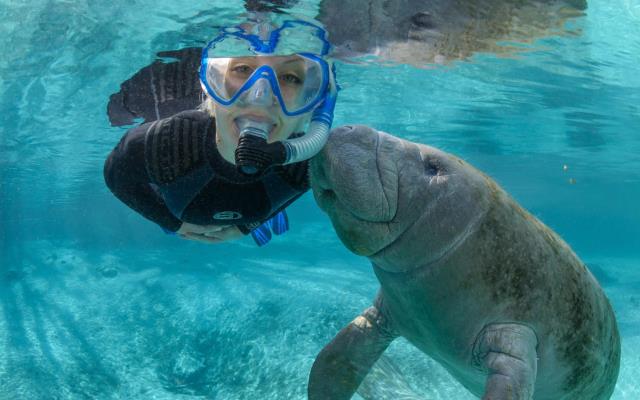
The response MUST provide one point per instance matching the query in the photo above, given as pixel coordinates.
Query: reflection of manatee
(407, 31)
(466, 275)
(418, 32)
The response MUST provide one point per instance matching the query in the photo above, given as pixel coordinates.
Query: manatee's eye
(423, 20)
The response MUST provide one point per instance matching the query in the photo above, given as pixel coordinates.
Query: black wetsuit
(170, 171)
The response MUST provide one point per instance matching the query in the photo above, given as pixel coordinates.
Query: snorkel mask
(286, 63)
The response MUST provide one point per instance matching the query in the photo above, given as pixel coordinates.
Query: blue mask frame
(268, 47)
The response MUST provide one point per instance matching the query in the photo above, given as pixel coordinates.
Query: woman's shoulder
(186, 123)
(176, 145)
(194, 115)
(190, 122)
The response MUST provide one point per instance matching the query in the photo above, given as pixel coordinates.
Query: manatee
(406, 31)
(466, 275)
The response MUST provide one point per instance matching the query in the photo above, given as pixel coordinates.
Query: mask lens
(297, 81)
(300, 82)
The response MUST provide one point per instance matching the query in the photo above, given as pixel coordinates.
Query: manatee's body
(466, 275)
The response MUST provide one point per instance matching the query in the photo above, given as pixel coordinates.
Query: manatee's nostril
(329, 194)
(326, 198)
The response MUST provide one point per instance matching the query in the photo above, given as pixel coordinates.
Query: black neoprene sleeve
(126, 176)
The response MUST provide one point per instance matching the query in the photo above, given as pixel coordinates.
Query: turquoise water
(96, 302)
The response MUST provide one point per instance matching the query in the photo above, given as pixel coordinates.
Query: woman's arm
(126, 176)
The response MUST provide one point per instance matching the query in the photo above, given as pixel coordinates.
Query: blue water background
(96, 302)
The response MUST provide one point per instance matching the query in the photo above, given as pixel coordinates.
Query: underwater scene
(97, 302)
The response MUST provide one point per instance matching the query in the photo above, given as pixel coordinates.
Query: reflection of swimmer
(233, 165)
(159, 90)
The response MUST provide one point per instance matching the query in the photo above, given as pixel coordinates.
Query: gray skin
(466, 275)
(418, 31)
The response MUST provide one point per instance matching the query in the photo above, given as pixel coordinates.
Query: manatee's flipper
(342, 364)
(159, 90)
(507, 352)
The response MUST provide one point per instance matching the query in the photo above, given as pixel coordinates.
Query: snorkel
(307, 146)
(318, 90)
(254, 155)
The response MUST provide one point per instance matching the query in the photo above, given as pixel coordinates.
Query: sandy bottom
(77, 325)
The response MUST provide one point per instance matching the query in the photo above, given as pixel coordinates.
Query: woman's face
(263, 106)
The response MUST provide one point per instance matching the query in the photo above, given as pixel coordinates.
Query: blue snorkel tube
(307, 146)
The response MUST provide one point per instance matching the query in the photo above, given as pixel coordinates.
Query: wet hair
(208, 106)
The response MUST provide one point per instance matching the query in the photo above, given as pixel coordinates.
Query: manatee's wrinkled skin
(418, 32)
(467, 276)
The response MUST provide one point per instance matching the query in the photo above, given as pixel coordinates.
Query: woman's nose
(260, 94)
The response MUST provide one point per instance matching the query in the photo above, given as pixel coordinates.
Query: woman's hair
(208, 106)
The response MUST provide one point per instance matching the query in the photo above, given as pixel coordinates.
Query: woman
(233, 166)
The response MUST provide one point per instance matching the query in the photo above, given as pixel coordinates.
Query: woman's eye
(242, 69)
(290, 79)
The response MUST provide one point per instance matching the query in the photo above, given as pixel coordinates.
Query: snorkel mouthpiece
(253, 154)
(255, 128)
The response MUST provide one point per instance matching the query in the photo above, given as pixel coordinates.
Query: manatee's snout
(401, 204)
(319, 179)
(352, 171)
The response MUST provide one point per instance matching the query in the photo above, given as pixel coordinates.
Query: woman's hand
(209, 233)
